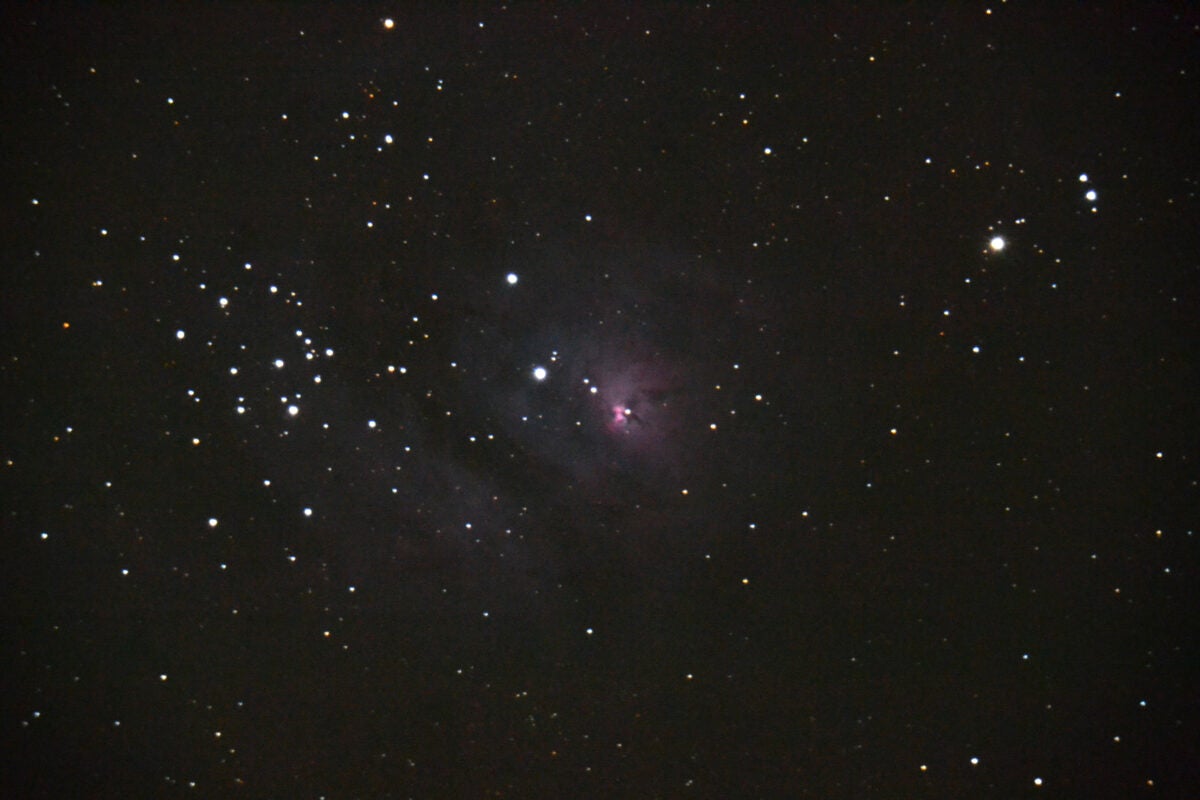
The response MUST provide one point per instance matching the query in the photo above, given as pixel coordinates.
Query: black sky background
(892, 513)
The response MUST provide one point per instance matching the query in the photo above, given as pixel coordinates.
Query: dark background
(892, 513)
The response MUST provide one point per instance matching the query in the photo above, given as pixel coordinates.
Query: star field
(582, 401)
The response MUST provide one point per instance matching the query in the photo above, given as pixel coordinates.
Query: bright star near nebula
(621, 414)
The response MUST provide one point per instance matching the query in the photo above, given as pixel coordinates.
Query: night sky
(605, 400)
